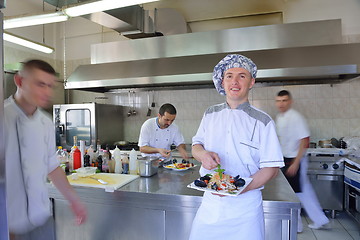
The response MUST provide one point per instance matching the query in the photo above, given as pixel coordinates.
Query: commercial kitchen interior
(332, 109)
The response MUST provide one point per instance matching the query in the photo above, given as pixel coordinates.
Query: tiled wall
(331, 110)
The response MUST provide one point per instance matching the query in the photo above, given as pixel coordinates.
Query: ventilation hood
(296, 53)
(133, 21)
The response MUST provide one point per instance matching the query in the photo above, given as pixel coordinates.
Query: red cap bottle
(77, 158)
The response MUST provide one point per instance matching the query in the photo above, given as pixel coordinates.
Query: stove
(326, 174)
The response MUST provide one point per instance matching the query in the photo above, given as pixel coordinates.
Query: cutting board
(114, 181)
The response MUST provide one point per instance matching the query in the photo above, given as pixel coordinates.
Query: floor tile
(307, 234)
(349, 223)
(355, 234)
(332, 234)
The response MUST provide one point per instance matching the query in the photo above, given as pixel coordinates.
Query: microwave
(89, 122)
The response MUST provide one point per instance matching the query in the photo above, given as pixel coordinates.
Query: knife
(99, 180)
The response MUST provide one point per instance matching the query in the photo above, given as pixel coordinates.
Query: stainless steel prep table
(162, 207)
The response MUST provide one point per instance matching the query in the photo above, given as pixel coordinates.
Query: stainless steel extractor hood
(134, 22)
(310, 52)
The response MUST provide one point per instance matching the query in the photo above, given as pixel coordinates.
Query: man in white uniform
(294, 136)
(30, 155)
(158, 134)
(243, 140)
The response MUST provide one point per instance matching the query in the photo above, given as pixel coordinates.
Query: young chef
(158, 134)
(294, 136)
(30, 155)
(243, 140)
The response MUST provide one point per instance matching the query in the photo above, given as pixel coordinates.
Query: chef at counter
(159, 133)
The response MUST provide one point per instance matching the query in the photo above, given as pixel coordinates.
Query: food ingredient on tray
(220, 181)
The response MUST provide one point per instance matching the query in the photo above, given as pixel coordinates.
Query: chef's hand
(209, 160)
(79, 211)
(164, 152)
(292, 170)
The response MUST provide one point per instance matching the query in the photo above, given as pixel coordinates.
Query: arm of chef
(271, 158)
(60, 181)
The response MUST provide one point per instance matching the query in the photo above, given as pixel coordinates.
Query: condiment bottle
(117, 158)
(133, 162)
(125, 162)
(77, 158)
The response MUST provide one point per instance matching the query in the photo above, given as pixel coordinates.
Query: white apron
(229, 217)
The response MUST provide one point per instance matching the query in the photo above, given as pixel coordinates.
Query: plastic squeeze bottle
(117, 158)
(133, 162)
(77, 158)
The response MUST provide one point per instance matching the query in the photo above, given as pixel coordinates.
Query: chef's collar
(241, 106)
(157, 122)
(23, 113)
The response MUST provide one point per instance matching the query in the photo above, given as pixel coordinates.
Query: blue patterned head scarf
(232, 61)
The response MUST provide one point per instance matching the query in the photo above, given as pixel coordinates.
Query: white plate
(172, 167)
(222, 192)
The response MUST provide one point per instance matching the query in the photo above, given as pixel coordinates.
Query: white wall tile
(259, 93)
(307, 92)
(354, 127)
(341, 90)
(323, 91)
(355, 88)
(324, 108)
(340, 128)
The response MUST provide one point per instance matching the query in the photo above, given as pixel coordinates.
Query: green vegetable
(98, 171)
(219, 170)
(73, 171)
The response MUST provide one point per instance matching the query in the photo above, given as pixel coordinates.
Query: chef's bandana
(232, 61)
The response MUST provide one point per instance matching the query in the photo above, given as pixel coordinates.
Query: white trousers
(308, 198)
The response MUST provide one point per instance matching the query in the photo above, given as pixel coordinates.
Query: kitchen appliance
(326, 174)
(89, 122)
(352, 187)
(148, 166)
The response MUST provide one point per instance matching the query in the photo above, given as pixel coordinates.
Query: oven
(326, 174)
(90, 122)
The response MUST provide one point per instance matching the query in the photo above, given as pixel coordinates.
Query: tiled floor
(343, 227)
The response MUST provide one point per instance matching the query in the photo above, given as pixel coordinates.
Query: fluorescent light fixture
(27, 43)
(99, 6)
(35, 20)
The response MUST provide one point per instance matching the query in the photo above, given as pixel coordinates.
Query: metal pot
(148, 166)
(325, 144)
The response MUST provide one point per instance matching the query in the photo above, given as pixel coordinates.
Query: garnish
(219, 170)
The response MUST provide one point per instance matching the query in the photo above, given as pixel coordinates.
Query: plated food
(221, 183)
(180, 166)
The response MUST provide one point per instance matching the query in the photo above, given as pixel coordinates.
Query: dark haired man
(294, 136)
(158, 134)
(30, 155)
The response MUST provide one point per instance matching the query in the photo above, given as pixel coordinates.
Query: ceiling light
(27, 43)
(99, 6)
(35, 20)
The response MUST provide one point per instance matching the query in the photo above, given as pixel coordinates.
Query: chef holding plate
(243, 140)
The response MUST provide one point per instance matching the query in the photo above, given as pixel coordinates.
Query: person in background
(243, 140)
(30, 155)
(294, 136)
(158, 134)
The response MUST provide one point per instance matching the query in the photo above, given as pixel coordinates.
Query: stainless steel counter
(162, 207)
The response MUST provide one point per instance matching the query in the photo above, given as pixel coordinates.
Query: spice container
(148, 166)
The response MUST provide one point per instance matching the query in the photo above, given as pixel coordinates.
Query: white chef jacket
(291, 127)
(246, 141)
(30, 155)
(153, 136)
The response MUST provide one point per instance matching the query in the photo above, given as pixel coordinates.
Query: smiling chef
(243, 140)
